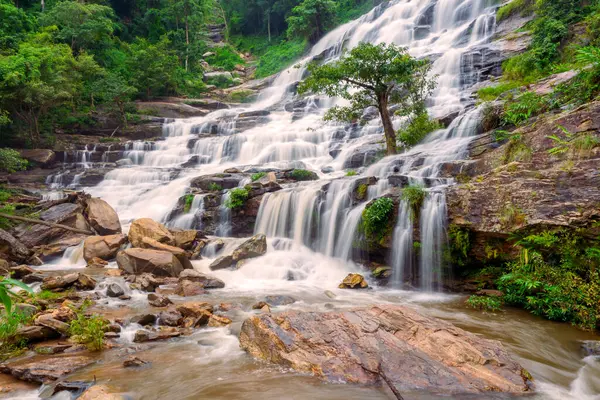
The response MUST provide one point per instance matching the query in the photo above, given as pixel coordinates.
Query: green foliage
(516, 150)
(6, 295)
(373, 76)
(241, 95)
(279, 56)
(376, 217)
(523, 7)
(574, 144)
(153, 67)
(214, 187)
(511, 216)
(188, 200)
(10, 322)
(361, 191)
(225, 57)
(414, 195)
(311, 19)
(11, 161)
(417, 127)
(15, 23)
(459, 245)
(484, 303)
(491, 93)
(49, 295)
(302, 175)
(523, 107)
(351, 172)
(257, 176)
(88, 329)
(237, 198)
(557, 277)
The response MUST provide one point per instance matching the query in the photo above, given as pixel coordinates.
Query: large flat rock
(413, 352)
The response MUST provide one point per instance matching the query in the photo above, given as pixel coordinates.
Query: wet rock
(77, 280)
(189, 288)
(216, 321)
(103, 247)
(114, 290)
(181, 254)
(102, 217)
(184, 239)
(33, 334)
(195, 309)
(52, 348)
(111, 335)
(33, 278)
(256, 246)
(413, 352)
(47, 369)
(157, 300)
(161, 334)
(354, 281)
(21, 271)
(99, 392)
(12, 248)
(143, 319)
(49, 322)
(116, 328)
(330, 294)
(280, 300)
(134, 362)
(146, 227)
(146, 282)
(490, 293)
(42, 157)
(210, 183)
(383, 272)
(207, 281)
(591, 347)
(221, 263)
(96, 263)
(170, 317)
(137, 261)
(259, 305)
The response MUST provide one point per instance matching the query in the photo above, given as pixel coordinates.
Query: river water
(209, 364)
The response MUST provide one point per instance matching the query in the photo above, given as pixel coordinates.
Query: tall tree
(311, 19)
(373, 75)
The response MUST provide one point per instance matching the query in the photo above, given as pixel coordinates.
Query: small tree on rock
(373, 75)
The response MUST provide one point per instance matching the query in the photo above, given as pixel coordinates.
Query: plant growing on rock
(88, 329)
(415, 196)
(376, 217)
(237, 198)
(351, 172)
(484, 303)
(302, 175)
(373, 76)
(257, 176)
(416, 128)
(6, 295)
(188, 200)
(214, 187)
(11, 161)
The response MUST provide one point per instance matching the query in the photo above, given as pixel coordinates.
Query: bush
(302, 175)
(416, 129)
(88, 330)
(11, 161)
(188, 200)
(214, 187)
(351, 172)
(225, 57)
(237, 198)
(415, 196)
(458, 247)
(524, 107)
(484, 303)
(280, 56)
(257, 176)
(361, 191)
(523, 7)
(376, 217)
(10, 322)
(491, 93)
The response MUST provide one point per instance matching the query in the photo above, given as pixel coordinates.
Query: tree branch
(362, 85)
(39, 221)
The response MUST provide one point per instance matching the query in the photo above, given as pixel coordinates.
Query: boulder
(156, 300)
(221, 263)
(170, 317)
(279, 300)
(184, 239)
(207, 281)
(104, 247)
(216, 321)
(64, 282)
(102, 217)
(12, 249)
(96, 263)
(354, 281)
(99, 392)
(143, 319)
(133, 361)
(591, 347)
(181, 255)
(46, 369)
(21, 271)
(142, 336)
(49, 322)
(256, 246)
(36, 333)
(189, 288)
(41, 157)
(395, 344)
(137, 261)
(114, 290)
(146, 227)
(195, 309)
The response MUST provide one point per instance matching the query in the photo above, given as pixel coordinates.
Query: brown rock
(490, 293)
(189, 288)
(137, 261)
(161, 334)
(46, 369)
(354, 281)
(4, 267)
(99, 392)
(49, 322)
(143, 319)
(33, 334)
(195, 309)
(184, 238)
(157, 300)
(104, 247)
(207, 281)
(41, 157)
(216, 321)
(11, 248)
(96, 262)
(412, 351)
(170, 317)
(256, 246)
(133, 361)
(221, 263)
(20, 271)
(181, 254)
(102, 217)
(146, 227)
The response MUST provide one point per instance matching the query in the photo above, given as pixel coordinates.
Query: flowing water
(311, 225)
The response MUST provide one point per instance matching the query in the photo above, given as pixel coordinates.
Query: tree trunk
(269, 24)
(388, 128)
(187, 39)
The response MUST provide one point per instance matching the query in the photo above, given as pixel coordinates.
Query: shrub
(351, 172)
(459, 245)
(417, 128)
(214, 187)
(376, 217)
(237, 198)
(361, 191)
(523, 7)
(188, 200)
(280, 56)
(491, 93)
(524, 107)
(257, 176)
(415, 196)
(302, 175)
(225, 57)
(87, 329)
(11, 346)
(11, 161)
(484, 303)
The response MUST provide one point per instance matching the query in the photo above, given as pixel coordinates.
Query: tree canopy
(373, 76)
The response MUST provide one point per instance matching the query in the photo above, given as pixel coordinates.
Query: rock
(102, 217)
(181, 255)
(38, 333)
(413, 352)
(26, 309)
(137, 261)
(4, 267)
(49, 322)
(170, 317)
(146, 227)
(184, 239)
(12, 248)
(259, 305)
(104, 247)
(96, 263)
(143, 319)
(161, 334)
(216, 321)
(354, 281)
(42, 157)
(383, 272)
(280, 300)
(116, 328)
(114, 290)
(111, 335)
(146, 282)
(195, 309)
(124, 297)
(256, 246)
(99, 392)
(52, 348)
(490, 293)
(207, 281)
(44, 370)
(157, 300)
(21, 271)
(330, 294)
(189, 288)
(77, 279)
(33, 278)
(221, 263)
(591, 347)
(133, 361)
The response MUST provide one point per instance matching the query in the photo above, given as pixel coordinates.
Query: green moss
(237, 198)
(302, 175)
(188, 200)
(361, 191)
(241, 96)
(257, 176)
(491, 93)
(351, 172)
(522, 7)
